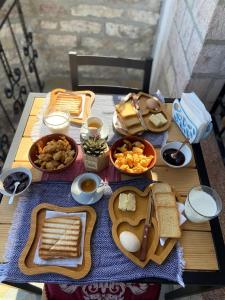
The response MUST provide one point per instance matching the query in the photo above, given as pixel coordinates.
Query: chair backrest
(79, 60)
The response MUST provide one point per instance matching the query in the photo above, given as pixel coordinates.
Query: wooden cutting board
(26, 263)
(134, 222)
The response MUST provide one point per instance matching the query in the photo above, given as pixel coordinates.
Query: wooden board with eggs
(140, 112)
(127, 210)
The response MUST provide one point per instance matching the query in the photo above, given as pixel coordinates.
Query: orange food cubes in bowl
(132, 159)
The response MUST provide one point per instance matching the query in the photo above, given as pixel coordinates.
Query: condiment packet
(180, 208)
(64, 262)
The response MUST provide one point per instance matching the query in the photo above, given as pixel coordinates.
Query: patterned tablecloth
(109, 264)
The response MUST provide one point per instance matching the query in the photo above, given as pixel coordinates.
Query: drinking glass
(57, 121)
(202, 204)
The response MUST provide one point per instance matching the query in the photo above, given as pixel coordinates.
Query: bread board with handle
(26, 264)
(134, 222)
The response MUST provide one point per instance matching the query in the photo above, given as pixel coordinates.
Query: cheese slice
(158, 120)
(127, 202)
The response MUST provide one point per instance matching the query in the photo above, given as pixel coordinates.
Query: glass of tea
(202, 204)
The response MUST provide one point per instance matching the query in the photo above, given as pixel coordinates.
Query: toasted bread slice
(60, 238)
(165, 199)
(161, 187)
(71, 103)
(135, 129)
(64, 100)
(128, 122)
(126, 109)
(168, 220)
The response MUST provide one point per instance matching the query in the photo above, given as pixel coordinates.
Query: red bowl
(149, 150)
(33, 152)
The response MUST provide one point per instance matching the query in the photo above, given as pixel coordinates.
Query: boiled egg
(130, 241)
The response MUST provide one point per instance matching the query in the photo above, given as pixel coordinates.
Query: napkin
(197, 114)
(182, 219)
(64, 262)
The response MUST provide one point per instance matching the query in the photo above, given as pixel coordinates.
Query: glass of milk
(202, 204)
(57, 121)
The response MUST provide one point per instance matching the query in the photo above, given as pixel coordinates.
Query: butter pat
(127, 202)
(158, 120)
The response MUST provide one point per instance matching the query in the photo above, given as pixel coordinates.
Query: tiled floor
(167, 288)
(10, 293)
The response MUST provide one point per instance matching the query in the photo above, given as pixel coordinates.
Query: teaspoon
(13, 194)
(174, 155)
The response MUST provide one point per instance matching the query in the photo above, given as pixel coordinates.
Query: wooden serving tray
(145, 113)
(26, 264)
(89, 100)
(134, 222)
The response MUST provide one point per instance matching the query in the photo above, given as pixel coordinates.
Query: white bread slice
(161, 187)
(165, 199)
(60, 238)
(168, 220)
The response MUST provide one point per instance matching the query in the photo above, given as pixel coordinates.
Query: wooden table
(203, 244)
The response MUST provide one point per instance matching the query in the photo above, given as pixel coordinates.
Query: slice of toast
(161, 187)
(60, 238)
(64, 100)
(128, 122)
(126, 109)
(135, 129)
(71, 103)
(168, 220)
(165, 199)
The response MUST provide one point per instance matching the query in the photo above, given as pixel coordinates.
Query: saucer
(83, 199)
(103, 133)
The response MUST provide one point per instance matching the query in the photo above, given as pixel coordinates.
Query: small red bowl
(149, 150)
(33, 153)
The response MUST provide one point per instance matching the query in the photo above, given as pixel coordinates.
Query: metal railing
(18, 80)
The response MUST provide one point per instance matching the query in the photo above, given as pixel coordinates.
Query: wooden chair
(79, 60)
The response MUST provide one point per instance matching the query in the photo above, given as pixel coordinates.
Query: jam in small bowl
(173, 158)
(9, 177)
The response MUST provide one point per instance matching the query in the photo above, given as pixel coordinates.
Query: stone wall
(208, 75)
(194, 56)
(114, 27)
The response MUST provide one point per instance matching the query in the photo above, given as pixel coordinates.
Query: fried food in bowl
(53, 153)
(132, 155)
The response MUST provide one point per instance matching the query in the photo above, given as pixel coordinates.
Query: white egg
(130, 241)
